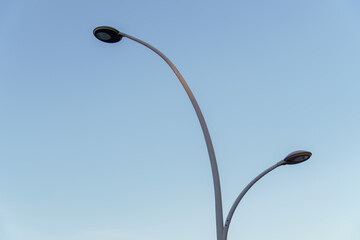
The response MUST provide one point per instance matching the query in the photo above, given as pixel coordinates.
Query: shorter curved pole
(243, 192)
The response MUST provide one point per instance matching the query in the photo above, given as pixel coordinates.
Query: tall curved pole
(209, 145)
(242, 194)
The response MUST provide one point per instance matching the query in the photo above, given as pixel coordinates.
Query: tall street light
(112, 35)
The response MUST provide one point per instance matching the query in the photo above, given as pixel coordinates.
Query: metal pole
(209, 145)
(243, 192)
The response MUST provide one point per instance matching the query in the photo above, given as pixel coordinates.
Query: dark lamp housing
(107, 34)
(297, 157)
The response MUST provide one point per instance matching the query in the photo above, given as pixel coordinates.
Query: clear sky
(100, 142)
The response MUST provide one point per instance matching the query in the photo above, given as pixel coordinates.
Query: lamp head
(107, 34)
(297, 157)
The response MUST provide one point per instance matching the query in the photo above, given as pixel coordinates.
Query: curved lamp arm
(111, 35)
(243, 192)
(209, 145)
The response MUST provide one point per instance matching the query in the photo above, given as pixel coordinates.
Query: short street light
(293, 158)
(112, 35)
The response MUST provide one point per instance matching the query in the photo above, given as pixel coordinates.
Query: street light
(293, 158)
(111, 35)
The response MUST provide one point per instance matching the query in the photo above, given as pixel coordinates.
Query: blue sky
(100, 141)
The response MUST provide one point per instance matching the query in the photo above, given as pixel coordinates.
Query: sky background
(100, 142)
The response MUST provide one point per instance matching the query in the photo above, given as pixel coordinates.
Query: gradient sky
(100, 142)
